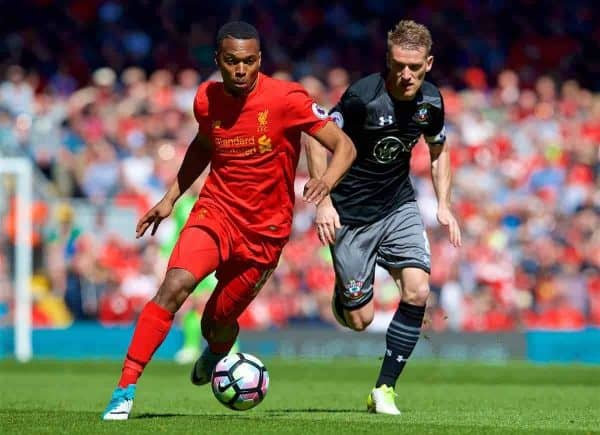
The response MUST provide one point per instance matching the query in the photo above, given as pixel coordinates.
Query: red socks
(152, 328)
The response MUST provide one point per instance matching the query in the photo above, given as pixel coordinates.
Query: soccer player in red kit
(249, 132)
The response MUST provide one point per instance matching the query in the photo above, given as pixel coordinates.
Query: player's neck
(397, 96)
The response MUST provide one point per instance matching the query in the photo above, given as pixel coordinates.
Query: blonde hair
(410, 35)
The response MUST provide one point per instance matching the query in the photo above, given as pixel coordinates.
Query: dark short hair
(237, 30)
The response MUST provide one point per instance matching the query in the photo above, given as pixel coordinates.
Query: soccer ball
(240, 381)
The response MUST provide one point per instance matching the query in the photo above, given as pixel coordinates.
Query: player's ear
(429, 63)
(259, 58)
(216, 58)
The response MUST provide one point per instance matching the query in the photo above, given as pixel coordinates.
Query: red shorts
(243, 263)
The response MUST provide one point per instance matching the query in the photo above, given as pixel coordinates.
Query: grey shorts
(397, 241)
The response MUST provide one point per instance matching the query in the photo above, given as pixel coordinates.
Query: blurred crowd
(64, 41)
(106, 119)
(526, 164)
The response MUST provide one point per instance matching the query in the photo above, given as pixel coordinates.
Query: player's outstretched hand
(446, 218)
(154, 216)
(327, 221)
(315, 190)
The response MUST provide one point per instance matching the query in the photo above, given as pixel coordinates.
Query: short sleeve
(302, 112)
(435, 133)
(201, 109)
(349, 112)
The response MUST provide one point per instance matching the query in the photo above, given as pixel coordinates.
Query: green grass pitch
(307, 397)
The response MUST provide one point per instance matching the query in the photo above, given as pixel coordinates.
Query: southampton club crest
(353, 289)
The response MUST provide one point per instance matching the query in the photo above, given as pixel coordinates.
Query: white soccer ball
(240, 381)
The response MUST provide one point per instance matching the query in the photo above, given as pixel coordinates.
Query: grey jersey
(384, 131)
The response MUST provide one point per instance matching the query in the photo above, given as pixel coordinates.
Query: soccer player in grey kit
(371, 217)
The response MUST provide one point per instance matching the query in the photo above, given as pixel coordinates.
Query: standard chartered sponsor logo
(244, 145)
(234, 141)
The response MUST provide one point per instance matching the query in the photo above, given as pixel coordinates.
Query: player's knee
(358, 325)
(175, 289)
(358, 321)
(416, 295)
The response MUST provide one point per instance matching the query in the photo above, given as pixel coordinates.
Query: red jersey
(256, 142)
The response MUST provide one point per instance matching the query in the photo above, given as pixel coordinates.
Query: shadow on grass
(158, 415)
(233, 415)
(305, 410)
(243, 416)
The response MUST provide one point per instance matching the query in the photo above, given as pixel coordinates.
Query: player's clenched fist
(315, 190)
(154, 216)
